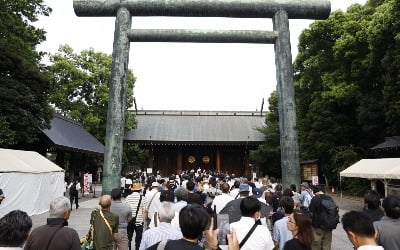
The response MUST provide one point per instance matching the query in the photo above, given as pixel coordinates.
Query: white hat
(155, 184)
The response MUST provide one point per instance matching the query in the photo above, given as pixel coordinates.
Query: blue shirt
(281, 232)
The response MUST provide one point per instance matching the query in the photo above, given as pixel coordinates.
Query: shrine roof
(69, 135)
(389, 143)
(197, 128)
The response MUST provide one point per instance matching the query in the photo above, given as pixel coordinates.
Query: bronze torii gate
(279, 10)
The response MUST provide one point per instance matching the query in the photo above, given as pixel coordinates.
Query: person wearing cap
(305, 195)
(232, 208)
(138, 204)
(2, 197)
(124, 212)
(153, 201)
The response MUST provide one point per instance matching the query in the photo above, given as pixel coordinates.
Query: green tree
(268, 156)
(24, 88)
(80, 88)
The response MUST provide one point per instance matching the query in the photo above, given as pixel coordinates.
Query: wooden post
(179, 162)
(218, 161)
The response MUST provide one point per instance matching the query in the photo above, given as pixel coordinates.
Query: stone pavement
(79, 219)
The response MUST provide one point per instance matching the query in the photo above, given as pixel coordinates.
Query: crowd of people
(204, 210)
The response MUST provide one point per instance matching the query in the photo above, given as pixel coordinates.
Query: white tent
(29, 181)
(382, 169)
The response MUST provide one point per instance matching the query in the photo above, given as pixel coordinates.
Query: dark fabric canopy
(193, 127)
(389, 143)
(69, 135)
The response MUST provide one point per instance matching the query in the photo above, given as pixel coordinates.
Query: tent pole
(340, 184)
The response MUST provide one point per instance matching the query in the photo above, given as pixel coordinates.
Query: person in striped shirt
(137, 202)
(164, 231)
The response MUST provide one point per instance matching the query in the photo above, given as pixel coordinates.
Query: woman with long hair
(300, 226)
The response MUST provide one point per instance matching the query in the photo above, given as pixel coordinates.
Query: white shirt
(155, 204)
(370, 248)
(259, 239)
(234, 193)
(220, 202)
(179, 205)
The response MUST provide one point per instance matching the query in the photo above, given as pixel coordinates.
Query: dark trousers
(71, 199)
(138, 229)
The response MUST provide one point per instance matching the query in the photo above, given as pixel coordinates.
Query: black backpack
(72, 189)
(329, 216)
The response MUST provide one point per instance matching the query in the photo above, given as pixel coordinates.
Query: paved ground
(79, 219)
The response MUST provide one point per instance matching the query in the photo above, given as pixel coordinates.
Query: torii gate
(279, 10)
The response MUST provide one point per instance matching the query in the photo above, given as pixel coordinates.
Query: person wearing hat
(138, 205)
(305, 195)
(2, 197)
(153, 203)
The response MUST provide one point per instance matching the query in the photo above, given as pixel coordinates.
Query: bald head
(105, 202)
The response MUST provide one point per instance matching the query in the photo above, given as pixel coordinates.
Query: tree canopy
(79, 88)
(24, 87)
(347, 84)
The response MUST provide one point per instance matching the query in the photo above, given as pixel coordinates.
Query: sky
(182, 76)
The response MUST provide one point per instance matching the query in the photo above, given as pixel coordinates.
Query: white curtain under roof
(385, 168)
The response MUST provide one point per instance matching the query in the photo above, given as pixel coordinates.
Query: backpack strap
(137, 208)
(148, 206)
(248, 235)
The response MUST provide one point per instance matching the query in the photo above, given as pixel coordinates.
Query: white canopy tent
(29, 181)
(384, 169)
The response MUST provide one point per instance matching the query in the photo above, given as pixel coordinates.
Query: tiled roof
(70, 135)
(197, 127)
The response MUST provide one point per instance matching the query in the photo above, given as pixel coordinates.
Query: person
(105, 224)
(322, 233)
(124, 212)
(164, 229)
(305, 195)
(220, 201)
(2, 197)
(166, 196)
(193, 220)
(299, 224)
(360, 230)
(296, 195)
(372, 206)
(281, 232)
(181, 195)
(232, 208)
(192, 196)
(388, 228)
(153, 203)
(14, 229)
(55, 234)
(74, 187)
(257, 238)
(276, 197)
(234, 193)
(138, 204)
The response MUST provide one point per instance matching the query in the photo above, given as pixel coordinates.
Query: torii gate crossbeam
(279, 10)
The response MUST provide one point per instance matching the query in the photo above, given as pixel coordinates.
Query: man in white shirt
(153, 201)
(221, 200)
(260, 238)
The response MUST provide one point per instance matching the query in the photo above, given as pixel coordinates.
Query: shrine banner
(87, 181)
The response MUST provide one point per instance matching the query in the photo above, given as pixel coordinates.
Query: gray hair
(181, 194)
(167, 212)
(58, 206)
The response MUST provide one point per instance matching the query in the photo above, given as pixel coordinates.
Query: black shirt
(194, 198)
(294, 244)
(374, 214)
(177, 245)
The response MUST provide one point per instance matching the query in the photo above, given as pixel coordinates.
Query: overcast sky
(182, 76)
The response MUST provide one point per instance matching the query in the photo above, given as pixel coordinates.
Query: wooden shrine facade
(185, 140)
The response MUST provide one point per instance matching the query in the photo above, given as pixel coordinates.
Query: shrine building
(185, 140)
